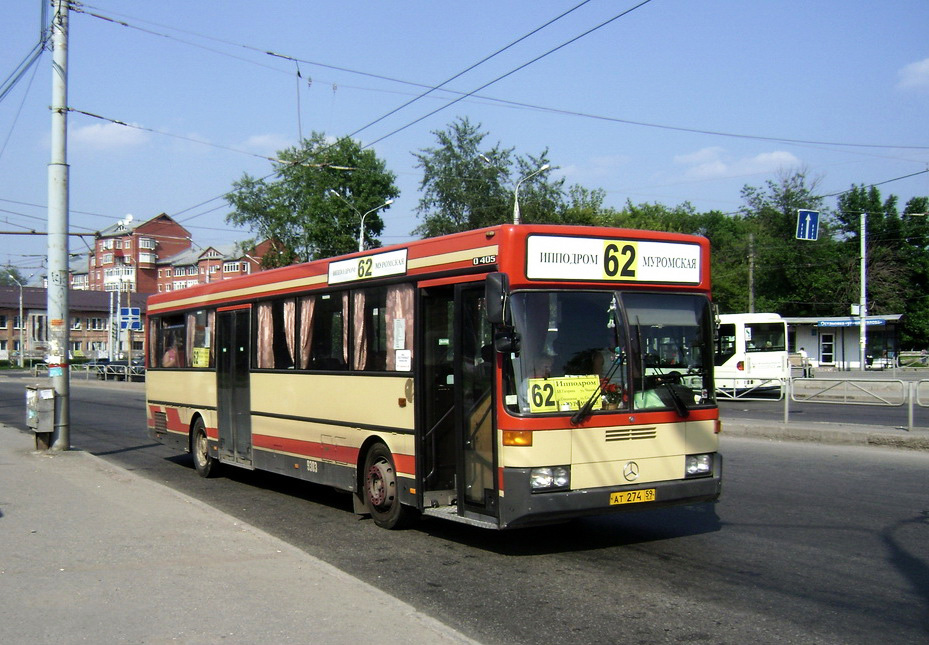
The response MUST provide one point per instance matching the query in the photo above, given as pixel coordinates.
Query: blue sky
(640, 107)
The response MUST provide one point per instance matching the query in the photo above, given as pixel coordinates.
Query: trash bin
(40, 414)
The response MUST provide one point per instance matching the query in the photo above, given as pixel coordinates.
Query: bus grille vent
(628, 434)
(161, 421)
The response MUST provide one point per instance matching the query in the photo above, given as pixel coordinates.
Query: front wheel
(204, 464)
(382, 492)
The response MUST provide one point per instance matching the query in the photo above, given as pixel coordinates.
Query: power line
(473, 94)
(512, 71)
(169, 134)
(470, 67)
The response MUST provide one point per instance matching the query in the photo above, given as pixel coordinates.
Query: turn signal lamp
(740, 366)
(517, 437)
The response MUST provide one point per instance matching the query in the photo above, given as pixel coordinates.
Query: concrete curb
(841, 434)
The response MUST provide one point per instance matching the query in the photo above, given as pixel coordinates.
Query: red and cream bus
(501, 377)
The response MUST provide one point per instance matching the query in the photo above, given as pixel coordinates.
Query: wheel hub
(380, 481)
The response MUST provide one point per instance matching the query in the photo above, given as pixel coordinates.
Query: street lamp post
(361, 226)
(22, 324)
(516, 218)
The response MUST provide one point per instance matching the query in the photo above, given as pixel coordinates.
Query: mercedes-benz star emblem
(631, 471)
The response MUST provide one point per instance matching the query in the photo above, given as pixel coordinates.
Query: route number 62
(619, 260)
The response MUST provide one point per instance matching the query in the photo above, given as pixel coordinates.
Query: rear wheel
(205, 465)
(382, 491)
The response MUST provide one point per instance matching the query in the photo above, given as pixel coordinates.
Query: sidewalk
(93, 553)
(836, 433)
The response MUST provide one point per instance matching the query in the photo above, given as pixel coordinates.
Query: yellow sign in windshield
(564, 393)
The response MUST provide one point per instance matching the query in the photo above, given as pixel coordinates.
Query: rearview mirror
(495, 295)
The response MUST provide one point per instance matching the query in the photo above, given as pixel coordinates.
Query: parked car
(125, 370)
(97, 366)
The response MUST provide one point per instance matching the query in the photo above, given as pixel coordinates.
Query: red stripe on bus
(341, 454)
(329, 452)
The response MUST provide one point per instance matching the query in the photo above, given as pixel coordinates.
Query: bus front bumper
(521, 507)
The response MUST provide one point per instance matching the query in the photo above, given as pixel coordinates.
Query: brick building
(158, 255)
(212, 264)
(126, 254)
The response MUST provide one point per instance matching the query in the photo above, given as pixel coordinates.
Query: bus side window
(725, 343)
(323, 333)
(276, 334)
(200, 338)
(171, 338)
(369, 322)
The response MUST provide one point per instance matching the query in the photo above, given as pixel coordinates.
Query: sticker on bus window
(201, 357)
(561, 394)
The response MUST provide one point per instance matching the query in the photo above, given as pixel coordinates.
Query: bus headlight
(549, 478)
(698, 465)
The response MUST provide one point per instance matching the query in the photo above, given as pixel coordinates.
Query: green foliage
(467, 186)
(296, 209)
(9, 276)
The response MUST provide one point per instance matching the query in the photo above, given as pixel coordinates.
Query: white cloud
(267, 144)
(108, 136)
(596, 167)
(914, 76)
(705, 155)
(713, 163)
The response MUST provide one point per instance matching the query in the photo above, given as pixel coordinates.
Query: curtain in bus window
(290, 325)
(265, 336)
(211, 326)
(399, 324)
(345, 328)
(361, 338)
(153, 341)
(189, 340)
(306, 330)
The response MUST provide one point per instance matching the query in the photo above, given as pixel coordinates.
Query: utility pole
(751, 273)
(59, 342)
(863, 302)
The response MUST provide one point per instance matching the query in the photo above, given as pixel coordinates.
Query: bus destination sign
(552, 257)
(367, 267)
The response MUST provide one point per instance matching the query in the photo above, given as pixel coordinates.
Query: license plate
(632, 496)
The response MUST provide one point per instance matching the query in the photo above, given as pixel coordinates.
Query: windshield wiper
(578, 417)
(679, 405)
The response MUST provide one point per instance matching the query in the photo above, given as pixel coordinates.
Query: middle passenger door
(455, 440)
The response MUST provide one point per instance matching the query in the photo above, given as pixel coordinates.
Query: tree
(897, 257)
(463, 187)
(5, 276)
(888, 276)
(914, 333)
(298, 212)
(792, 277)
(467, 186)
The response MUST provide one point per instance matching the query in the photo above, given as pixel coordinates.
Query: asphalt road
(810, 544)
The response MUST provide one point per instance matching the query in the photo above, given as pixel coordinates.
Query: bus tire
(204, 464)
(381, 491)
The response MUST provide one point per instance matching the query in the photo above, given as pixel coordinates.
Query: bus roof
(529, 254)
(753, 317)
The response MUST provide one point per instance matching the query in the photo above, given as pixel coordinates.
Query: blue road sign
(807, 225)
(130, 318)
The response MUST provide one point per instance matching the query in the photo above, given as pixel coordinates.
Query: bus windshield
(609, 350)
